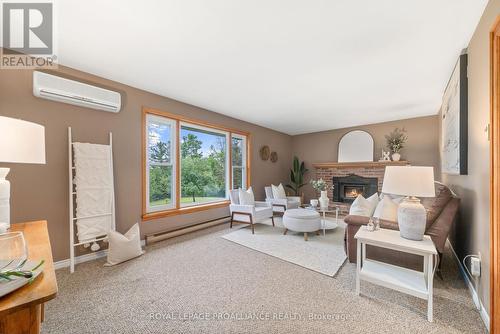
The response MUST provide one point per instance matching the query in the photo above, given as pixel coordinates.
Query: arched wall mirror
(356, 146)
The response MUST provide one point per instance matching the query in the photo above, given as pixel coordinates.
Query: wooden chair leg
(272, 219)
(286, 230)
(305, 236)
(232, 218)
(251, 223)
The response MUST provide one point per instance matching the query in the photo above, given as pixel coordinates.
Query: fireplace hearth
(347, 188)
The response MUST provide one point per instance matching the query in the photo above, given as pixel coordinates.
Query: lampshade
(21, 141)
(415, 181)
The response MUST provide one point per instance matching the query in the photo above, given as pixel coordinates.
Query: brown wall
(41, 191)
(421, 147)
(471, 233)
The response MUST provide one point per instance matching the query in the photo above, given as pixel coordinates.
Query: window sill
(185, 210)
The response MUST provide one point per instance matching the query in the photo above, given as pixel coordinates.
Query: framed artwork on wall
(454, 127)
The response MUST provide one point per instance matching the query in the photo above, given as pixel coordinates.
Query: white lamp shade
(21, 141)
(415, 181)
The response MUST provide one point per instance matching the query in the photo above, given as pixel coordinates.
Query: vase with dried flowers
(321, 186)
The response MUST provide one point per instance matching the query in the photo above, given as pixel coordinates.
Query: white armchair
(248, 214)
(281, 204)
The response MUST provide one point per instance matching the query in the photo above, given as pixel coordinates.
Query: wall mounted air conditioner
(59, 89)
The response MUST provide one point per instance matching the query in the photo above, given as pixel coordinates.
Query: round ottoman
(302, 220)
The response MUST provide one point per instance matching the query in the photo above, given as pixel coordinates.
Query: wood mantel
(364, 164)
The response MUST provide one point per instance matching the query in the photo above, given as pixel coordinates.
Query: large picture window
(204, 161)
(190, 165)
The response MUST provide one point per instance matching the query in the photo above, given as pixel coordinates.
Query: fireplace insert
(347, 188)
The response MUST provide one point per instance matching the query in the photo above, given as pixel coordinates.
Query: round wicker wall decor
(264, 152)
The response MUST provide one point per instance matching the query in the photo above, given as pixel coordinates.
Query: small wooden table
(412, 282)
(21, 311)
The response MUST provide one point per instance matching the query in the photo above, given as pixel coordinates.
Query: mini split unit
(59, 89)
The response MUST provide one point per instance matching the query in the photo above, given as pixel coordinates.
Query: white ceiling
(294, 66)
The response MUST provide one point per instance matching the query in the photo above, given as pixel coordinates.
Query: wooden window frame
(494, 137)
(178, 119)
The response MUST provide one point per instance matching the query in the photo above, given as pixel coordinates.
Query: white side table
(412, 282)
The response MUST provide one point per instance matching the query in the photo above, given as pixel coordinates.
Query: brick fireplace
(365, 170)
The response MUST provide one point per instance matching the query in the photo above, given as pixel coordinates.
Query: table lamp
(20, 142)
(412, 182)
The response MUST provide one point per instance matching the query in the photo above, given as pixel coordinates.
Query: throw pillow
(246, 197)
(364, 207)
(123, 247)
(278, 191)
(387, 209)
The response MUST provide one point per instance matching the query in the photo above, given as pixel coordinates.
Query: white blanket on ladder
(94, 190)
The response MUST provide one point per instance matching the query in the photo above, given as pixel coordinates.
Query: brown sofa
(441, 212)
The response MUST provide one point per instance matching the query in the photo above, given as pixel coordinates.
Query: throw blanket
(94, 190)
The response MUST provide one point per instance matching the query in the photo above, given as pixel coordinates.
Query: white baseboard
(475, 298)
(86, 257)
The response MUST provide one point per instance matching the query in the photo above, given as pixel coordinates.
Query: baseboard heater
(159, 236)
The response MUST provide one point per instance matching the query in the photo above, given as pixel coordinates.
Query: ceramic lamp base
(4, 199)
(412, 219)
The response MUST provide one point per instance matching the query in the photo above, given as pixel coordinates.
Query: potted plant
(395, 142)
(297, 176)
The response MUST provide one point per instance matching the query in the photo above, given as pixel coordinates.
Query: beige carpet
(201, 283)
(322, 253)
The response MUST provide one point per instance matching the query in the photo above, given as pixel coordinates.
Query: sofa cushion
(387, 209)
(364, 207)
(435, 205)
(262, 212)
(440, 228)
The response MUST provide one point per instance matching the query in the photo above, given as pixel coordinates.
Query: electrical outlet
(475, 266)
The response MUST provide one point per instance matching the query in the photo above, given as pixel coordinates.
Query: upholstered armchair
(281, 204)
(249, 214)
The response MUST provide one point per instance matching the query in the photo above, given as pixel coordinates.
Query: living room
(289, 173)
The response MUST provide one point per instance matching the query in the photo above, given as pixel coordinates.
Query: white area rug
(322, 253)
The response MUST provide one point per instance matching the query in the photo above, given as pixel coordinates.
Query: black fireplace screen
(347, 188)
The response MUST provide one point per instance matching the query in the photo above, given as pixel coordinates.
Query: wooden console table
(22, 310)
